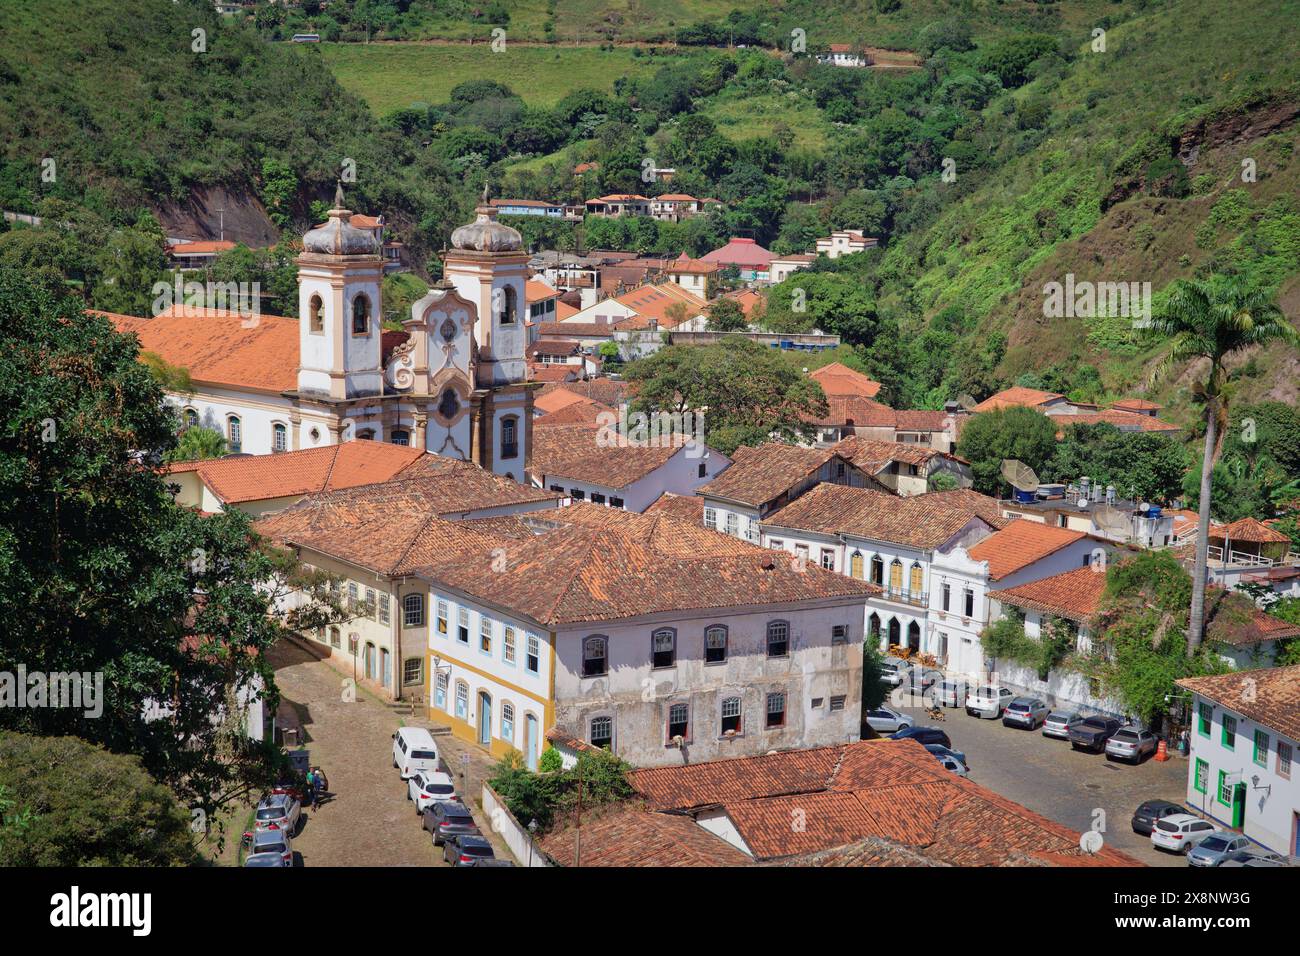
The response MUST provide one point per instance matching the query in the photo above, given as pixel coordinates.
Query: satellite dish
(1110, 519)
(1019, 475)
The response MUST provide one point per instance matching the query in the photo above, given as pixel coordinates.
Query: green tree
(99, 568)
(1143, 465)
(84, 806)
(749, 393)
(1211, 321)
(727, 315)
(279, 190)
(990, 437)
(197, 443)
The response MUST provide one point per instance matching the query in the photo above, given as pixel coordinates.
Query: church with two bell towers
(452, 381)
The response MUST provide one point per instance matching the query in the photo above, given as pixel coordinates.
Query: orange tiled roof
(684, 507)
(200, 248)
(552, 373)
(537, 291)
(563, 310)
(839, 509)
(633, 837)
(263, 477)
(761, 474)
(1136, 404)
(222, 348)
(857, 412)
(883, 789)
(1016, 396)
(1268, 696)
(1249, 529)
(871, 455)
(654, 301)
(970, 500)
(1075, 595)
(1020, 544)
(607, 391)
(582, 412)
(1117, 417)
(582, 452)
(553, 401)
(838, 379)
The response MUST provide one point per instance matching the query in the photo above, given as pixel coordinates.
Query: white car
(279, 811)
(1180, 832)
(426, 786)
(893, 671)
(988, 701)
(414, 750)
(884, 720)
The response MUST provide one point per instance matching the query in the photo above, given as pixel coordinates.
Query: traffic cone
(1162, 751)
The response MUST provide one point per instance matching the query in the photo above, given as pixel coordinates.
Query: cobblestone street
(367, 821)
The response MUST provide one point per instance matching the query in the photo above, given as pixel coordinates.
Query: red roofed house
(451, 382)
(746, 255)
(619, 204)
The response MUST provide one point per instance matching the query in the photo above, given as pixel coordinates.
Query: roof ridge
(329, 472)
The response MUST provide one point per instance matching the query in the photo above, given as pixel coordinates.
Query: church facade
(452, 381)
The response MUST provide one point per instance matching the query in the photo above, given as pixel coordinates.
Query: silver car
(893, 670)
(1026, 712)
(267, 844)
(1131, 743)
(1059, 722)
(949, 693)
(1215, 849)
(884, 720)
(1256, 858)
(279, 811)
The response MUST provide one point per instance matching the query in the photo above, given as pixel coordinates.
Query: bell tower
(340, 272)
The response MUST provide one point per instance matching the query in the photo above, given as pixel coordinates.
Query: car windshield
(987, 692)
(1016, 705)
(270, 848)
(472, 850)
(439, 788)
(1060, 718)
(270, 813)
(1097, 723)
(1125, 735)
(424, 755)
(1214, 843)
(1167, 826)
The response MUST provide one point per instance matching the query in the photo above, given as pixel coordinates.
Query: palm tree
(1212, 320)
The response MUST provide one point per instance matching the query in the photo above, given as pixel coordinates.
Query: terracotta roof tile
(1132, 421)
(584, 453)
(969, 499)
(1136, 404)
(871, 454)
(839, 509)
(1250, 529)
(1075, 595)
(758, 475)
(1020, 544)
(223, 348)
(1268, 696)
(837, 378)
(684, 507)
(633, 837)
(1017, 396)
(261, 477)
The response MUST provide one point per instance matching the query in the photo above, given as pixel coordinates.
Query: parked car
(988, 701)
(1215, 849)
(892, 671)
(1181, 832)
(444, 820)
(918, 679)
(277, 844)
(1256, 857)
(1026, 712)
(1059, 723)
(490, 861)
(1091, 733)
(429, 786)
(414, 750)
(1132, 744)
(922, 735)
(1146, 815)
(939, 750)
(463, 850)
(884, 720)
(279, 811)
(949, 693)
(951, 763)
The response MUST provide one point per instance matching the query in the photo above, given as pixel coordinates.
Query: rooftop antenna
(1020, 477)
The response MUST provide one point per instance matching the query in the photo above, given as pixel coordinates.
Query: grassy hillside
(1112, 114)
(389, 76)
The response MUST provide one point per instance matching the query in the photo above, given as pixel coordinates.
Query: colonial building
(1241, 772)
(452, 382)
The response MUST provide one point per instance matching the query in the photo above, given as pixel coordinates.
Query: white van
(414, 750)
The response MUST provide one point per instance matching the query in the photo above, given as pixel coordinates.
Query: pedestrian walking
(309, 797)
(317, 785)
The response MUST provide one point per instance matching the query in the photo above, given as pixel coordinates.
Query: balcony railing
(906, 596)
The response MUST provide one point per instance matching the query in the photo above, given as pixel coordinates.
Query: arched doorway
(369, 662)
(385, 667)
(873, 628)
(484, 718)
(914, 637)
(894, 631)
(530, 741)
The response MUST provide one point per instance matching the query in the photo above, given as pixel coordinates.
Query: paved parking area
(1049, 777)
(367, 820)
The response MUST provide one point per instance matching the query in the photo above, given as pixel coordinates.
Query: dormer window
(314, 310)
(361, 315)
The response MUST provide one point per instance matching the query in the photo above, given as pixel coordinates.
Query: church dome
(338, 237)
(485, 234)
